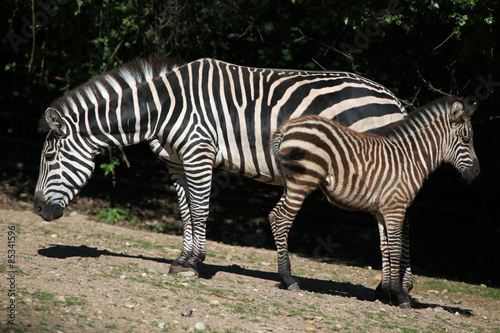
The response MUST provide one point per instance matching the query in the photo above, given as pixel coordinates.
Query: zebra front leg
(406, 275)
(183, 265)
(394, 227)
(405, 268)
(195, 182)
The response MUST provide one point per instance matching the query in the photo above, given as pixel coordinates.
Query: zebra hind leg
(281, 219)
(280, 232)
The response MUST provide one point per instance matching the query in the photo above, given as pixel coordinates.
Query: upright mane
(130, 74)
(421, 117)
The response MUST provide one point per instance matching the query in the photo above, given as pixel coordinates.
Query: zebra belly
(354, 196)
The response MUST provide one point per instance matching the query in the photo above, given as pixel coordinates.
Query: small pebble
(199, 326)
(144, 275)
(130, 305)
(53, 235)
(73, 214)
(187, 312)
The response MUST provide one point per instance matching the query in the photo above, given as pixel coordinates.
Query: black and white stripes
(371, 173)
(197, 116)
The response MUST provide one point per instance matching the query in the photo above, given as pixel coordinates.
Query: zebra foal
(381, 175)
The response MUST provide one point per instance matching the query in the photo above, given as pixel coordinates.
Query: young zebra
(381, 175)
(195, 117)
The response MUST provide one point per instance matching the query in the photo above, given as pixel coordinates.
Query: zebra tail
(294, 155)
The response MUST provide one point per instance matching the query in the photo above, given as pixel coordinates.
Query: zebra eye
(466, 139)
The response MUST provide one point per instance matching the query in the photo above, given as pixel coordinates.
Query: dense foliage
(420, 49)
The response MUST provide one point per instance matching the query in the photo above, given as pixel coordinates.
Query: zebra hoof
(182, 271)
(405, 305)
(404, 301)
(294, 287)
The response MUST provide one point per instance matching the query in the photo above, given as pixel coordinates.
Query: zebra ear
(54, 121)
(457, 111)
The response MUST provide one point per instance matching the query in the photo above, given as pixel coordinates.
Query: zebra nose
(46, 210)
(38, 203)
(476, 168)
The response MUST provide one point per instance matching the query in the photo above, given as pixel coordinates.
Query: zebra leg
(405, 273)
(383, 291)
(182, 265)
(194, 184)
(280, 231)
(394, 226)
(281, 219)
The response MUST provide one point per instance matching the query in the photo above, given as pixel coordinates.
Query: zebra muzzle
(472, 172)
(48, 211)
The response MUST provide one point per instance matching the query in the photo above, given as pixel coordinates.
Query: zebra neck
(423, 143)
(128, 118)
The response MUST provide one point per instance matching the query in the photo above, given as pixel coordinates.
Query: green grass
(460, 287)
(112, 326)
(43, 295)
(71, 300)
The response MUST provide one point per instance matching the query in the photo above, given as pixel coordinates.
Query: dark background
(418, 49)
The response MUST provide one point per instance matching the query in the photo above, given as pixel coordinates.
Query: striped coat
(195, 117)
(364, 172)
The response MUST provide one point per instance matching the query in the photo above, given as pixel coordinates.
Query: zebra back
(370, 169)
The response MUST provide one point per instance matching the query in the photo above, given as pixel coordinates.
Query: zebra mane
(125, 76)
(422, 117)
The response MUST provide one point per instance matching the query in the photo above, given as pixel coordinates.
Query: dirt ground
(78, 275)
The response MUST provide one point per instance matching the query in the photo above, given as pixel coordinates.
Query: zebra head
(66, 165)
(460, 152)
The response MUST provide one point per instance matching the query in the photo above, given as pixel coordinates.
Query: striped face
(65, 167)
(461, 152)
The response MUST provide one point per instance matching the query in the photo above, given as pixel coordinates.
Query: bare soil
(78, 275)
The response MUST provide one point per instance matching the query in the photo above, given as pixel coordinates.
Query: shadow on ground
(342, 289)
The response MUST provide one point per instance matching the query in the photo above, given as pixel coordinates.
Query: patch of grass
(460, 287)
(71, 300)
(111, 326)
(43, 295)
(41, 308)
(115, 214)
(409, 330)
(239, 309)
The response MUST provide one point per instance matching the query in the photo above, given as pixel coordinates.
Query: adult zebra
(377, 174)
(197, 116)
